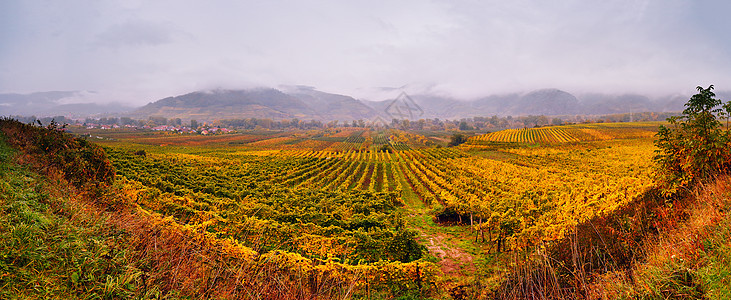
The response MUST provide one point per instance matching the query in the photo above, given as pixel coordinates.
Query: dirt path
(455, 261)
(441, 243)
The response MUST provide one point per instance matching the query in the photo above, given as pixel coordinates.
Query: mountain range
(307, 103)
(302, 103)
(49, 104)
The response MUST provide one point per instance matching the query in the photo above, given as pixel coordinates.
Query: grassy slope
(692, 261)
(52, 248)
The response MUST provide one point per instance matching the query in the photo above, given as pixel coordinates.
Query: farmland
(344, 196)
(350, 212)
(354, 212)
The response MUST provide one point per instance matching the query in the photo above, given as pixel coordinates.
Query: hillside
(300, 103)
(332, 106)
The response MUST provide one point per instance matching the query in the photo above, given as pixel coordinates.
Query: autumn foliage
(50, 148)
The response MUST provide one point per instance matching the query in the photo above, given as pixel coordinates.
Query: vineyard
(570, 133)
(342, 196)
(388, 213)
(535, 196)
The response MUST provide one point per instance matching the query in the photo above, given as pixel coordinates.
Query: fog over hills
(227, 104)
(43, 104)
(332, 106)
(308, 103)
(297, 102)
(549, 102)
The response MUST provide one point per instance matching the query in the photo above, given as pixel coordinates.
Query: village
(203, 129)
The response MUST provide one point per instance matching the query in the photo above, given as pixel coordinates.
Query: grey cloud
(151, 49)
(135, 33)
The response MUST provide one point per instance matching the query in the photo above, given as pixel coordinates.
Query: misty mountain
(549, 102)
(307, 103)
(420, 106)
(332, 106)
(612, 104)
(298, 102)
(540, 102)
(48, 104)
(599, 104)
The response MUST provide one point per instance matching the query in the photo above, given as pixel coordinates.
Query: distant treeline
(43, 120)
(498, 123)
(254, 123)
(474, 123)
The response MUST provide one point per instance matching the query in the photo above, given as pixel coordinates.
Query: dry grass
(675, 259)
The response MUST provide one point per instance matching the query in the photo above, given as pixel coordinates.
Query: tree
(727, 112)
(457, 139)
(127, 121)
(157, 120)
(464, 126)
(694, 147)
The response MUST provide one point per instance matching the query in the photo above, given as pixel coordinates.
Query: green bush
(80, 162)
(694, 147)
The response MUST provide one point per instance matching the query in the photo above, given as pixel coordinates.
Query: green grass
(707, 276)
(50, 249)
(715, 276)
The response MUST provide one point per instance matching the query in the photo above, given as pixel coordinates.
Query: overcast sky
(141, 51)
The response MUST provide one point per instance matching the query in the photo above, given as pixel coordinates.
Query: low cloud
(135, 33)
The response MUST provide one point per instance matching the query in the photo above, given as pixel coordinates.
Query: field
(388, 201)
(571, 133)
(572, 211)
